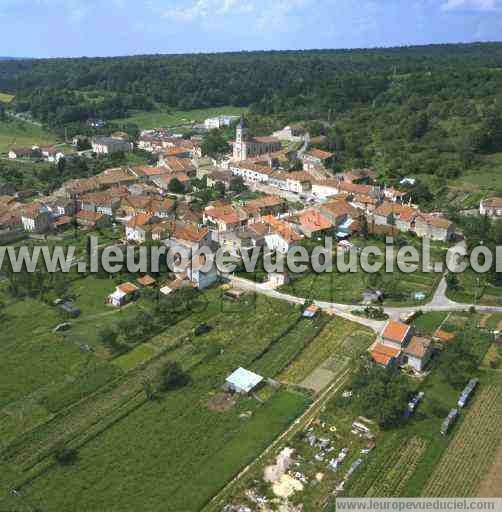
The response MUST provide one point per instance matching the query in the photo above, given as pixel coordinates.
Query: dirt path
(491, 485)
(217, 501)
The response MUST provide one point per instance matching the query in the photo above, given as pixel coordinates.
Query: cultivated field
(404, 457)
(182, 451)
(337, 345)
(470, 454)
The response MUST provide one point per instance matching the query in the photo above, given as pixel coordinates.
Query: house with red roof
(316, 158)
(139, 228)
(311, 222)
(281, 236)
(398, 345)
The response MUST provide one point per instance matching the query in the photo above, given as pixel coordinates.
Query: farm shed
(311, 311)
(242, 381)
(146, 281)
(123, 293)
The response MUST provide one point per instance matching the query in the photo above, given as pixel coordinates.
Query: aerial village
(279, 191)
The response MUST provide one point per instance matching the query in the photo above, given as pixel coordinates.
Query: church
(246, 146)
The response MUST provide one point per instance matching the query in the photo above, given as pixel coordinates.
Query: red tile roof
(382, 354)
(282, 228)
(395, 331)
(89, 216)
(319, 153)
(142, 219)
(127, 288)
(312, 220)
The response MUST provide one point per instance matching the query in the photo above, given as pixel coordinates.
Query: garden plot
(327, 355)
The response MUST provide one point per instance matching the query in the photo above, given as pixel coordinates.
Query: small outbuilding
(311, 312)
(234, 293)
(146, 281)
(123, 294)
(242, 381)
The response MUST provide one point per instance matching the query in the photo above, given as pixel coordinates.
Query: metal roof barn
(243, 381)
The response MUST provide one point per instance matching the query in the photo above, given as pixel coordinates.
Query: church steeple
(241, 136)
(241, 131)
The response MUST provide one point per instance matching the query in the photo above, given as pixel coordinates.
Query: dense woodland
(65, 90)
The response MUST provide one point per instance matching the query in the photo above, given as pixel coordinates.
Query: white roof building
(243, 381)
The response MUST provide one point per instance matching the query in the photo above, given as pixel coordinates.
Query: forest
(59, 91)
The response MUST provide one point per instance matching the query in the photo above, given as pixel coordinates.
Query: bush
(172, 376)
(65, 456)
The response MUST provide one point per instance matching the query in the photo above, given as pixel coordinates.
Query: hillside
(59, 91)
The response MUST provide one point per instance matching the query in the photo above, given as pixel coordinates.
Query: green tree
(364, 227)
(452, 281)
(237, 185)
(109, 337)
(214, 144)
(172, 376)
(176, 187)
(458, 362)
(380, 393)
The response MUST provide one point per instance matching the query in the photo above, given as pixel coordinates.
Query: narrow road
(439, 302)
(342, 310)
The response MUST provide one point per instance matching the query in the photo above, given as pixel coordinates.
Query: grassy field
(347, 287)
(15, 133)
(428, 324)
(6, 98)
(167, 118)
(181, 449)
(340, 340)
(487, 178)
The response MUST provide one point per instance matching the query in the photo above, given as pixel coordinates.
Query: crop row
(471, 451)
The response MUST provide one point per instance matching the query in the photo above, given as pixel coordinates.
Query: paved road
(343, 310)
(439, 302)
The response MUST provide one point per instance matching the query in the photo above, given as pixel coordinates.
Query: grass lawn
(428, 323)
(486, 178)
(135, 357)
(31, 356)
(166, 118)
(348, 287)
(181, 453)
(16, 133)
